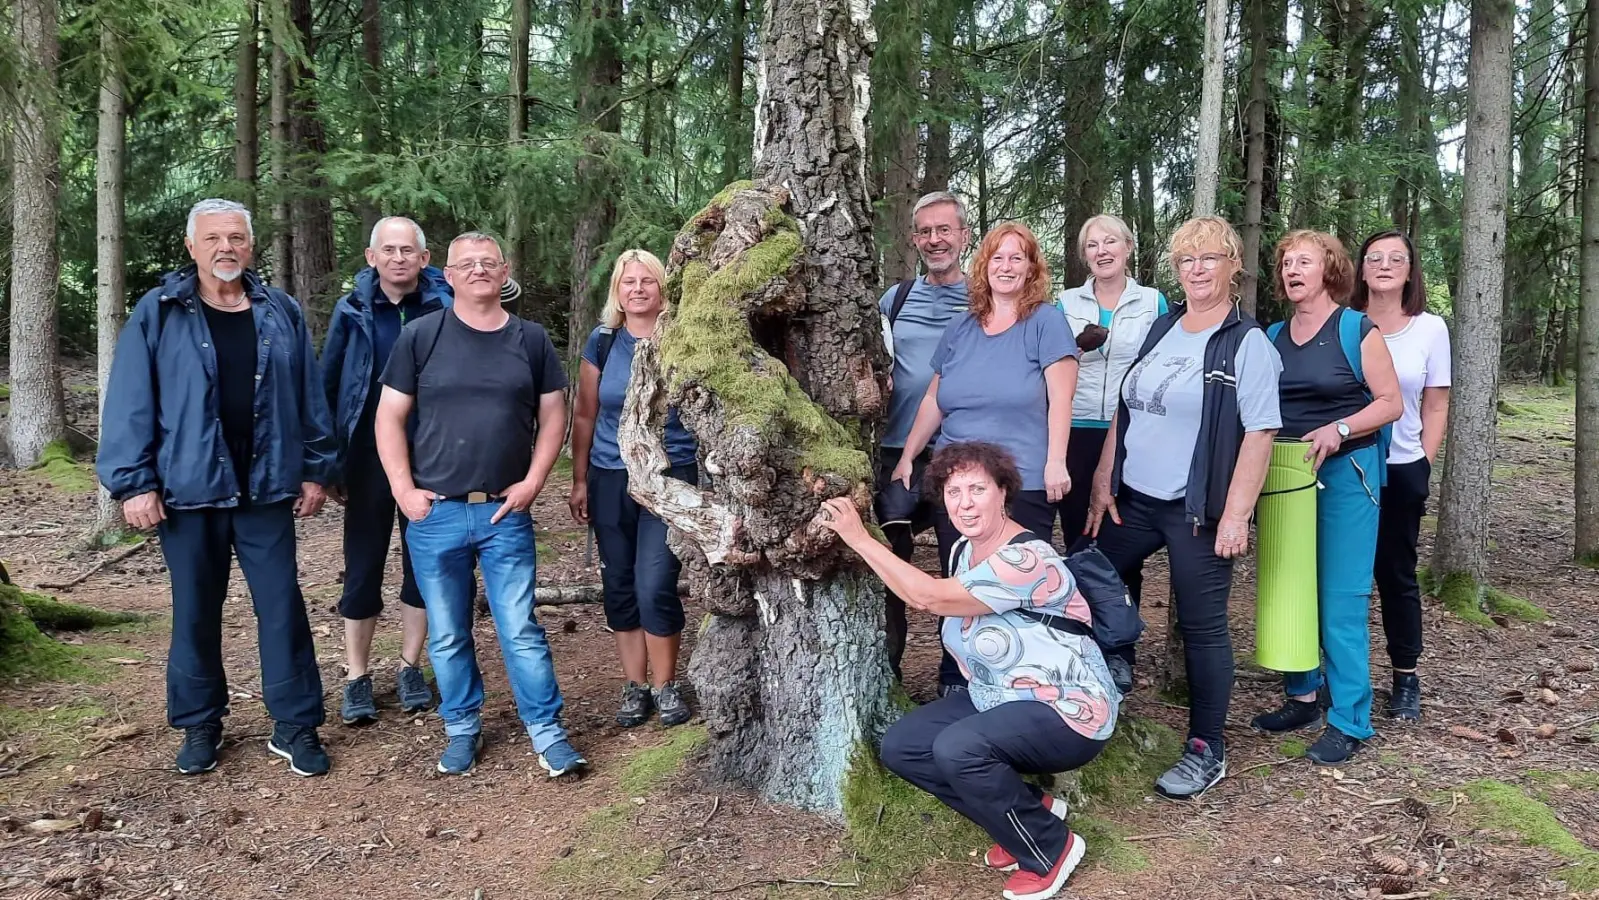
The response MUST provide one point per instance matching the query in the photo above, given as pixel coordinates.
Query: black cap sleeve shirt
(233, 338)
(1317, 385)
(477, 402)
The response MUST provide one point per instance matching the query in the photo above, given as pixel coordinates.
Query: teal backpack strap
(1161, 306)
(1273, 330)
(1349, 338)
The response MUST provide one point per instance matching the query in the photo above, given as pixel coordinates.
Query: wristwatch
(1343, 429)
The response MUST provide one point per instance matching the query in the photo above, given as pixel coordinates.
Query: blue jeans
(1346, 548)
(443, 548)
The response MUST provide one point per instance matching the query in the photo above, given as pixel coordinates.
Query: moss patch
(708, 341)
(1463, 596)
(895, 828)
(64, 473)
(1504, 807)
(1514, 607)
(1107, 846)
(649, 767)
(5, 391)
(52, 614)
(59, 730)
(604, 854)
(1578, 781)
(1122, 774)
(27, 652)
(1293, 748)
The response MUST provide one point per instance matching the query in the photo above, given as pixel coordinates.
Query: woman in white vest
(1110, 315)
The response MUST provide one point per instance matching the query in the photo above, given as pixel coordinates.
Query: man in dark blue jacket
(216, 432)
(396, 287)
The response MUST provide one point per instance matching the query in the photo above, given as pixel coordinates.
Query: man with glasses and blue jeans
(489, 396)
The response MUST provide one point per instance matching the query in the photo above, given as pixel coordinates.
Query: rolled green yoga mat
(1285, 608)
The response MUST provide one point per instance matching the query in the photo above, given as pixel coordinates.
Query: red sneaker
(999, 858)
(1024, 885)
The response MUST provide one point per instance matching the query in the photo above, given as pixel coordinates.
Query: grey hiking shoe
(636, 705)
(412, 688)
(358, 708)
(673, 708)
(1198, 770)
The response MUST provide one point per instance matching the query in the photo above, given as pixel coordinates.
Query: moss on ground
(59, 731)
(63, 471)
(896, 829)
(1578, 781)
(708, 341)
(606, 855)
(54, 615)
(1293, 748)
(1505, 807)
(1122, 774)
(27, 652)
(653, 765)
(1515, 607)
(1463, 596)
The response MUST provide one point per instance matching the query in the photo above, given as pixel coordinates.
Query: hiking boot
(1405, 701)
(1024, 885)
(299, 745)
(1294, 715)
(359, 708)
(461, 753)
(412, 688)
(1121, 674)
(200, 745)
(674, 709)
(999, 858)
(1333, 748)
(636, 705)
(1199, 769)
(559, 758)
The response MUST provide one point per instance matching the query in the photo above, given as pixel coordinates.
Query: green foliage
(1515, 607)
(64, 473)
(607, 854)
(1463, 596)
(1504, 807)
(650, 767)
(26, 652)
(50, 613)
(895, 828)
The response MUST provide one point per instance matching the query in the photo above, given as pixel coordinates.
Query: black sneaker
(1294, 715)
(1405, 701)
(1333, 748)
(1199, 769)
(1121, 674)
(301, 747)
(200, 745)
(636, 705)
(412, 688)
(359, 708)
(674, 709)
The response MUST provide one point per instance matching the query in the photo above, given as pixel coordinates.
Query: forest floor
(1476, 802)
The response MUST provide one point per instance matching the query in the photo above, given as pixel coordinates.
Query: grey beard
(227, 277)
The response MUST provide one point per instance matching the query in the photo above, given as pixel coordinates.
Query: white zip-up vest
(1100, 372)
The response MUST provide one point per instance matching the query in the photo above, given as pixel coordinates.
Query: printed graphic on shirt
(1173, 368)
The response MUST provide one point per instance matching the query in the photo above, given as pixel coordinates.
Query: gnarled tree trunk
(773, 357)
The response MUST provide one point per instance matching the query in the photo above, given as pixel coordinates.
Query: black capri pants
(637, 569)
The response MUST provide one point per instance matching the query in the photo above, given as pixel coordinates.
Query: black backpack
(1117, 624)
(432, 325)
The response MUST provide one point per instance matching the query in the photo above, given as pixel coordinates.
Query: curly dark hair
(995, 461)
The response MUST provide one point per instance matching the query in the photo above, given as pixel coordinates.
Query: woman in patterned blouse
(1041, 699)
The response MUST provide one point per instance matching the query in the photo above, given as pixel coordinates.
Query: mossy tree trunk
(773, 356)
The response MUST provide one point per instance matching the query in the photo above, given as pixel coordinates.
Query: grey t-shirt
(991, 387)
(1165, 393)
(928, 310)
(477, 400)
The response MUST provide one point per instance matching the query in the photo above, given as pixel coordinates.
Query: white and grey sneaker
(1198, 770)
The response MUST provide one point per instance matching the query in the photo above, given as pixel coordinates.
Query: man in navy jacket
(216, 432)
(396, 287)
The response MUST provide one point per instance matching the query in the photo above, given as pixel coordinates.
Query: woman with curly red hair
(1005, 374)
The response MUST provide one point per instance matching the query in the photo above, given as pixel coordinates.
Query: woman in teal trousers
(1338, 393)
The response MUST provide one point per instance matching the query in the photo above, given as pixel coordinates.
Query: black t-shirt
(233, 338)
(1317, 385)
(477, 400)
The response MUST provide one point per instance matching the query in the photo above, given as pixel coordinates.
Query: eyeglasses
(398, 252)
(489, 266)
(1207, 262)
(942, 232)
(1394, 259)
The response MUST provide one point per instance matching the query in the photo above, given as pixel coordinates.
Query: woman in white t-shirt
(1389, 290)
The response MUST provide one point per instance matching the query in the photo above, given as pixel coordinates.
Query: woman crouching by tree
(642, 606)
(1040, 698)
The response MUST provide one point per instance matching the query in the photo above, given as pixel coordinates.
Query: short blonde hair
(612, 316)
(1200, 234)
(1112, 224)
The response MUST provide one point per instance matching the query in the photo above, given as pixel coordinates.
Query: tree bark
(1257, 16)
(940, 109)
(521, 33)
(1148, 249)
(1207, 158)
(1587, 467)
(774, 360)
(598, 72)
(372, 140)
(1082, 144)
(312, 211)
(38, 412)
(282, 252)
(110, 213)
(1407, 29)
(896, 76)
(1463, 521)
(246, 134)
(736, 152)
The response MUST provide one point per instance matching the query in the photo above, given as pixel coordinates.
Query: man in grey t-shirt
(912, 332)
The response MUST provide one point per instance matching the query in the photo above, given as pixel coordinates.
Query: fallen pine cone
(1390, 864)
(1394, 884)
(1414, 808)
(1579, 665)
(1548, 697)
(1468, 734)
(1546, 731)
(1505, 736)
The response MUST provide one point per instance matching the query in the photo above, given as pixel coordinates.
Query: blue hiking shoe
(461, 754)
(299, 745)
(560, 758)
(359, 708)
(415, 695)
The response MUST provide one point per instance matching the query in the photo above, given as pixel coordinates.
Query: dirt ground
(382, 826)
